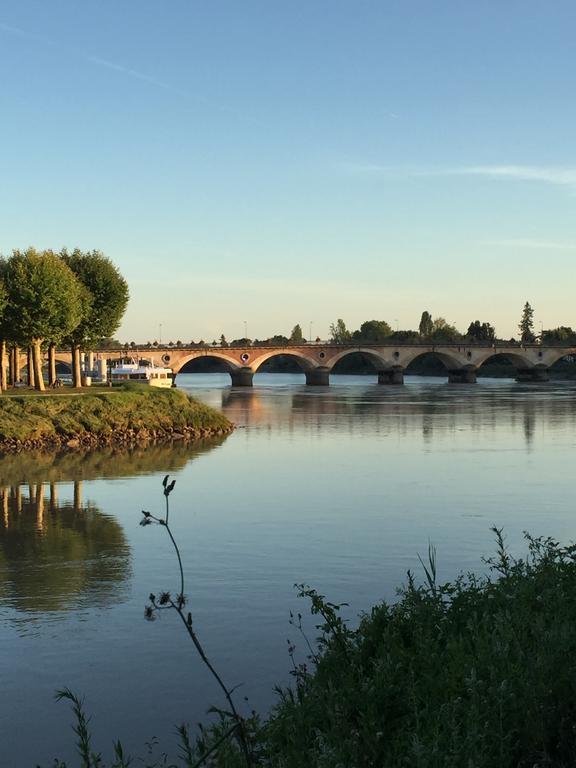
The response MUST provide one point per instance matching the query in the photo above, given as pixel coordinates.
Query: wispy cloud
(126, 71)
(526, 243)
(8, 29)
(564, 176)
(129, 72)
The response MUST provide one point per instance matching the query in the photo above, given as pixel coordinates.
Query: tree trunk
(3, 377)
(52, 364)
(11, 373)
(30, 367)
(76, 372)
(37, 358)
(14, 365)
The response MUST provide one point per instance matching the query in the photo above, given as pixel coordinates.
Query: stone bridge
(390, 361)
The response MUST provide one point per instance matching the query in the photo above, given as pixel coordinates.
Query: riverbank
(477, 671)
(133, 414)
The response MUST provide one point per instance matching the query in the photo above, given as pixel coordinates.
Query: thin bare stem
(187, 621)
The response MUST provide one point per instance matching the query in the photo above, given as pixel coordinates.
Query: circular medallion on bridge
(244, 357)
(322, 355)
(166, 358)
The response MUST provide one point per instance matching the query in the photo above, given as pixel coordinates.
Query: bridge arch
(229, 363)
(378, 361)
(450, 362)
(306, 363)
(515, 357)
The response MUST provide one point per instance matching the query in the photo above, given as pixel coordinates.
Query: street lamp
(160, 334)
(245, 330)
(310, 332)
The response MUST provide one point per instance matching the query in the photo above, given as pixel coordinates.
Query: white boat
(144, 374)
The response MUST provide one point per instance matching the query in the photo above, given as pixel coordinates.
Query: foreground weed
(237, 726)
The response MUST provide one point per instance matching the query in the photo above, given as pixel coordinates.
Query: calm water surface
(340, 488)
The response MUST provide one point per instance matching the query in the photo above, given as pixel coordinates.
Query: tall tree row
(49, 298)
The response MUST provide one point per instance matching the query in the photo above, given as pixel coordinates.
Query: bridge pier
(393, 375)
(462, 376)
(532, 375)
(242, 377)
(318, 377)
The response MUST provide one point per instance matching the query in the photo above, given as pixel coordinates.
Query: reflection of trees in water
(56, 556)
(433, 410)
(42, 467)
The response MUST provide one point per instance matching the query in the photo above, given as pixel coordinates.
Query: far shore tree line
(438, 331)
(430, 331)
(49, 300)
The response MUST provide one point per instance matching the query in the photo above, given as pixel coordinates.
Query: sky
(253, 164)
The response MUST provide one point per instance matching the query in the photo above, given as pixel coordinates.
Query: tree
(478, 331)
(339, 334)
(297, 337)
(373, 332)
(276, 341)
(426, 325)
(223, 342)
(104, 301)
(4, 327)
(43, 301)
(526, 325)
(559, 336)
(443, 332)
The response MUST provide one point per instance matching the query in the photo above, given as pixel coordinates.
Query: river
(341, 488)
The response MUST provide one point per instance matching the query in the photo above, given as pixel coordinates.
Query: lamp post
(310, 332)
(160, 334)
(245, 330)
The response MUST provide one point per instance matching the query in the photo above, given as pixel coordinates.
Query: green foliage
(526, 325)
(560, 335)
(373, 332)
(339, 334)
(297, 337)
(425, 328)
(479, 332)
(443, 332)
(480, 671)
(43, 296)
(104, 298)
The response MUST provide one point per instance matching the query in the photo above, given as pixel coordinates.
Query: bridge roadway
(462, 361)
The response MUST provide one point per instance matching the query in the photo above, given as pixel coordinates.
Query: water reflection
(58, 555)
(433, 409)
(55, 556)
(42, 467)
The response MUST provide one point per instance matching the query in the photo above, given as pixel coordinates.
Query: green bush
(474, 673)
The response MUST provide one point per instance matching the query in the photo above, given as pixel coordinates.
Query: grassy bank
(129, 414)
(476, 673)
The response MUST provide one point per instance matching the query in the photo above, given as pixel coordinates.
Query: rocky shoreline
(122, 438)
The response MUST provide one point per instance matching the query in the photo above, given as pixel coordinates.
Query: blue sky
(294, 162)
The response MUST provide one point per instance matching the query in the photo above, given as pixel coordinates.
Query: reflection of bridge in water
(317, 361)
(430, 410)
